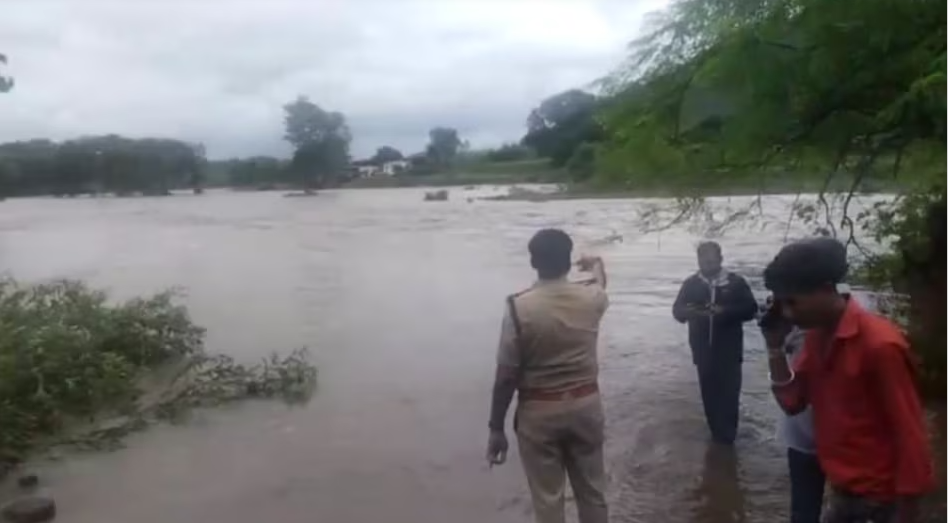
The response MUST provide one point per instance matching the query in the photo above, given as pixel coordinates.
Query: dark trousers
(847, 508)
(807, 487)
(720, 383)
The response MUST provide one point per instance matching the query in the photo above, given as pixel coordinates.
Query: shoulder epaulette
(512, 309)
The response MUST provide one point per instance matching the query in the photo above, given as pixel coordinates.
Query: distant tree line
(510, 152)
(98, 165)
(321, 158)
(256, 172)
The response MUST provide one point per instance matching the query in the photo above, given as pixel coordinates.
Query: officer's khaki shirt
(559, 323)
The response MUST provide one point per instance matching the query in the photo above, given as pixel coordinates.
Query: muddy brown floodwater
(400, 303)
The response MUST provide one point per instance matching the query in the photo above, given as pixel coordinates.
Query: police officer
(547, 354)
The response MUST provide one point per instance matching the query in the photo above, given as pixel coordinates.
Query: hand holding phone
(704, 309)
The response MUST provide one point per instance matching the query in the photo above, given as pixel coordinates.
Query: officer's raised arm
(595, 265)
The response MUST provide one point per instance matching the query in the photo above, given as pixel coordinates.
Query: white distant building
(366, 169)
(395, 167)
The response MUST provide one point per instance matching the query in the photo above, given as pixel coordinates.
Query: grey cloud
(218, 72)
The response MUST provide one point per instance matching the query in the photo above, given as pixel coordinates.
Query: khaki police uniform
(551, 337)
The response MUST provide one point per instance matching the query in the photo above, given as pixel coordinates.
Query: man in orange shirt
(856, 373)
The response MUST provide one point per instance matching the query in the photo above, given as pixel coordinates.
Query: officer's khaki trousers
(558, 437)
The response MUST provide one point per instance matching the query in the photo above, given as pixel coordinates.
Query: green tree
(197, 167)
(443, 146)
(737, 84)
(321, 141)
(386, 154)
(581, 164)
(561, 123)
(322, 163)
(722, 92)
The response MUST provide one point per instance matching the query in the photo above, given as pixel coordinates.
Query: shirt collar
(849, 324)
(718, 279)
(555, 281)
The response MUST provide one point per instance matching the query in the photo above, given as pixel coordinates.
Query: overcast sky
(218, 71)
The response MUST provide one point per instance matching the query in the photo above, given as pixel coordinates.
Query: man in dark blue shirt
(715, 303)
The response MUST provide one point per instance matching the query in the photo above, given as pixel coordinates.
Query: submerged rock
(28, 481)
(303, 194)
(436, 196)
(31, 509)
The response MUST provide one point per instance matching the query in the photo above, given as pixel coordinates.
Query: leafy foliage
(581, 162)
(557, 127)
(100, 164)
(67, 355)
(65, 352)
(443, 146)
(386, 154)
(321, 141)
(738, 84)
(849, 93)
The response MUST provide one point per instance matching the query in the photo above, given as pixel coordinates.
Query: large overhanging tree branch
(824, 100)
(757, 91)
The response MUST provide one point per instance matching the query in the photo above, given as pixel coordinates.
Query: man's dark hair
(807, 265)
(550, 253)
(709, 246)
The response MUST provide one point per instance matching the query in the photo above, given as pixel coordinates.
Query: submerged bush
(68, 355)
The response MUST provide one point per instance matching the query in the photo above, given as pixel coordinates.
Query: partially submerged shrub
(67, 354)
(212, 380)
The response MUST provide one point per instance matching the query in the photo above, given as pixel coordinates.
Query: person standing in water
(715, 303)
(797, 433)
(547, 354)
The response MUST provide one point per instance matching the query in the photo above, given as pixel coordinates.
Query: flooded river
(400, 302)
